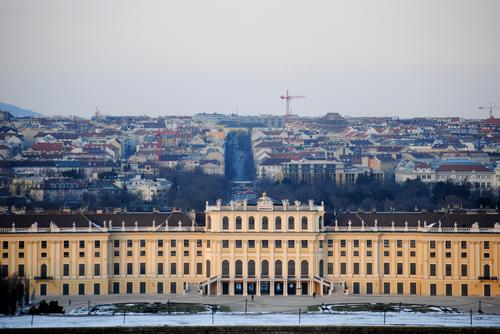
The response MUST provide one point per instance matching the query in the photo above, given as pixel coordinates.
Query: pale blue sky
(404, 58)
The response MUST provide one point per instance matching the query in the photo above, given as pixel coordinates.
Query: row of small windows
(387, 287)
(199, 242)
(265, 243)
(115, 289)
(264, 223)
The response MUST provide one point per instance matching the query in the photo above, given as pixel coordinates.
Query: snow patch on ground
(270, 319)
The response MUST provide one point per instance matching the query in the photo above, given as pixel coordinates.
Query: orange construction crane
(287, 99)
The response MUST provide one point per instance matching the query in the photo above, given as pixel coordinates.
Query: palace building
(267, 248)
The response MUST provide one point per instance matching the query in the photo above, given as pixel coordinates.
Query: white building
(148, 189)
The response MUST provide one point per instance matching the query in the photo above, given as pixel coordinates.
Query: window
(277, 243)
(239, 224)
(342, 243)
(225, 243)
(186, 243)
(448, 269)
(225, 223)
(173, 268)
(291, 243)
(160, 243)
(116, 287)
(82, 243)
(97, 269)
(265, 243)
(304, 268)
(432, 244)
(356, 243)
(464, 290)
(278, 268)
(65, 289)
(387, 288)
(343, 268)
(432, 289)
(97, 289)
(369, 268)
(265, 223)
(251, 268)
(251, 243)
(173, 287)
(66, 269)
(387, 268)
(329, 243)
(277, 223)
(173, 243)
(464, 270)
(399, 268)
(447, 244)
(291, 223)
(399, 243)
(251, 223)
(199, 243)
(486, 245)
(97, 244)
(130, 287)
(432, 269)
(304, 244)
(238, 267)
(186, 268)
(142, 243)
(43, 244)
(329, 268)
(43, 289)
(463, 244)
(238, 244)
(369, 288)
(291, 268)
(116, 268)
(356, 268)
(159, 287)
(130, 268)
(413, 268)
(400, 288)
(20, 270)
(264, 272)
(142, 270)
(81, 289)
(413, 288)
(369, 244)
(199, 268)
(386, 243)
(81, 269)
(159, 268)
(413, 243)
(116, 243)
(303, 223)
(21, 244)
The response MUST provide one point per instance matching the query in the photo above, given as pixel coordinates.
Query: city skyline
(171, 58)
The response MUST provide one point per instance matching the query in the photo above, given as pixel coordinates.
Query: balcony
(488, 278)
(43, 278)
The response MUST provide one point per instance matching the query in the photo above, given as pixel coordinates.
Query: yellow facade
(255, 249)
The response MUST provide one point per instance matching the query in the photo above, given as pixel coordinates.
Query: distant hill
(18, 112)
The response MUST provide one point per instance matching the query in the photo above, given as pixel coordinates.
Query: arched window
(207, 269)
(486, 270)
(43, 270)
(265, 223)
(277, 223)
(238, 223)
(225, 223)
(291, 268)
(278, 268)
(251, 223)
(304, 223)
(225, 268)
(304, 268)
(238, 268)
(251, 268)
(321, 270)
(291, 223)
(264, 271)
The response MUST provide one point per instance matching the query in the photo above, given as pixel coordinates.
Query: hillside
(17, 111)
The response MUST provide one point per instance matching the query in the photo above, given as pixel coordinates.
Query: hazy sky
(384, 57)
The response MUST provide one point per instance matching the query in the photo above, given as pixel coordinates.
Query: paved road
(284, 303)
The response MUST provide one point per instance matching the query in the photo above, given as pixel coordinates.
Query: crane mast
(287, 97)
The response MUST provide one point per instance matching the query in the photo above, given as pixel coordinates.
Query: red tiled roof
(462, 168)
(48, 147)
